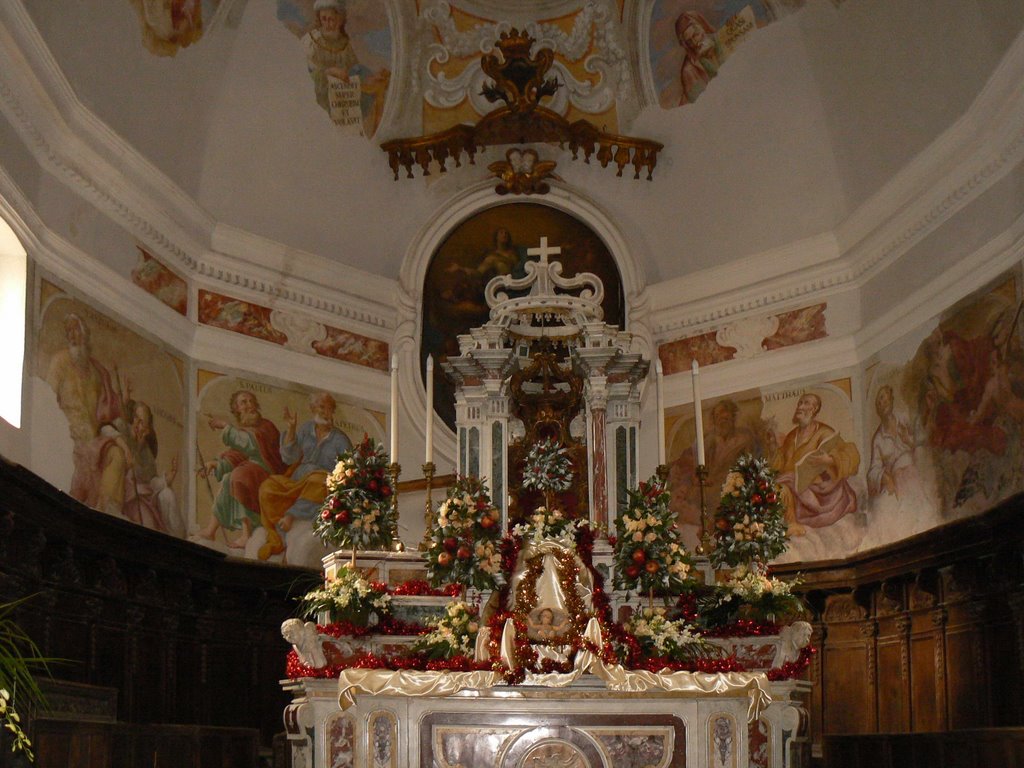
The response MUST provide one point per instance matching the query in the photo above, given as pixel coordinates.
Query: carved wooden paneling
(184, 635)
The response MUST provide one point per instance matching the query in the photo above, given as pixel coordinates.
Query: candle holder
(662, 473)
(704, 547)
(394, 470)
(428, 506)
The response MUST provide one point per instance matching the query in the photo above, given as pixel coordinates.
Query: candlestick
(428, 507)
(660, 380)
(394, 407)
(394, 470)
(430, 412)
(697, 414)
(704, 547)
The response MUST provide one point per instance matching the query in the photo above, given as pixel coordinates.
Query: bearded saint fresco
(690, 40)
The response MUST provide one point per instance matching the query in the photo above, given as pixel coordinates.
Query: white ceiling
(805, 123)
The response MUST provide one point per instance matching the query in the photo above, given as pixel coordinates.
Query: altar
(582, 726)
(555, 623)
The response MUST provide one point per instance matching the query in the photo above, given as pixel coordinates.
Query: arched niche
(473, 205)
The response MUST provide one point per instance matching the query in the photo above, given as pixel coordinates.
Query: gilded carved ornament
(520, 81)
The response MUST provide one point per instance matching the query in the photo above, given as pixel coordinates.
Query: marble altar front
(581, 726)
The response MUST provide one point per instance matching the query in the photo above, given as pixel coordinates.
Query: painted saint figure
(702, 54)
(149, 497)
(723, 445)
(814, 463)
(252, 454)
(329, 55)
(312, 450)
(90, 397)
(892, 469)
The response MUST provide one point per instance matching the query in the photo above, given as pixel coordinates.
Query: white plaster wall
(891, 75)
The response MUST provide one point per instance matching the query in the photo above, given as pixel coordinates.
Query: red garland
(744, 628)
(422, 588)
(793, 669)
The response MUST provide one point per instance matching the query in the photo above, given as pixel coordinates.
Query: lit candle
(394, 407)
(660, 380)
(697, 415)
(430, 409)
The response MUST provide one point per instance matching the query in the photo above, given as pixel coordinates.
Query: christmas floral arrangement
(548, 469)
(452, 634)
(465, 543)
(547, 523)
(665, 638)
(348, 598)
(649, 552)
(358, 511)
(750, 597)
(749, 525)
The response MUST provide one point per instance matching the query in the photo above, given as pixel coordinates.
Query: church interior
(612, 258)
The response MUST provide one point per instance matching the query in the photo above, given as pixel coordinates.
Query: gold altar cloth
(615, 677)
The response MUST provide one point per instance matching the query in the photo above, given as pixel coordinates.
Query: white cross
(544, 251)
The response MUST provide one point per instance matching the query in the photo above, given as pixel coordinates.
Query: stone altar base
(581, 726)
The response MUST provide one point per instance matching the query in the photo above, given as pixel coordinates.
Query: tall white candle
(394, 407)
(430, 410)
(697, 414)
(660, 380)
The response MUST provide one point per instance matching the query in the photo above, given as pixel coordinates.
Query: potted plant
(19, 657)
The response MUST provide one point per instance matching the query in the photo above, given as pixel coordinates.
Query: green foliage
(548, 467)
(649, 550)
(358, 511)
(19, 659)
(749, 524)
(465, 539)
(452, 634)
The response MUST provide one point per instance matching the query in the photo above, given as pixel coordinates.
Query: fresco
(262, 455)
(119, 398)
(745, 338)
(347, 47)
(940, 437)
(157, 280)
(692, 39)
(353, 348)
(170, 25)
(589, 61)
(807, 434)
(946, 415)
(494, 242)
(297, 332)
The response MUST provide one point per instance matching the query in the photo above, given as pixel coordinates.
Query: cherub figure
(306, 642)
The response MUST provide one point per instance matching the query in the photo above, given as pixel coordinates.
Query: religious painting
(347, 46)
(491, 243)
(154, 278)
(239, 316)
(108, 413)
(353, 348)
(263, 452)
(806, 433)
(170, 25)
(960, 396)
(691, 39)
